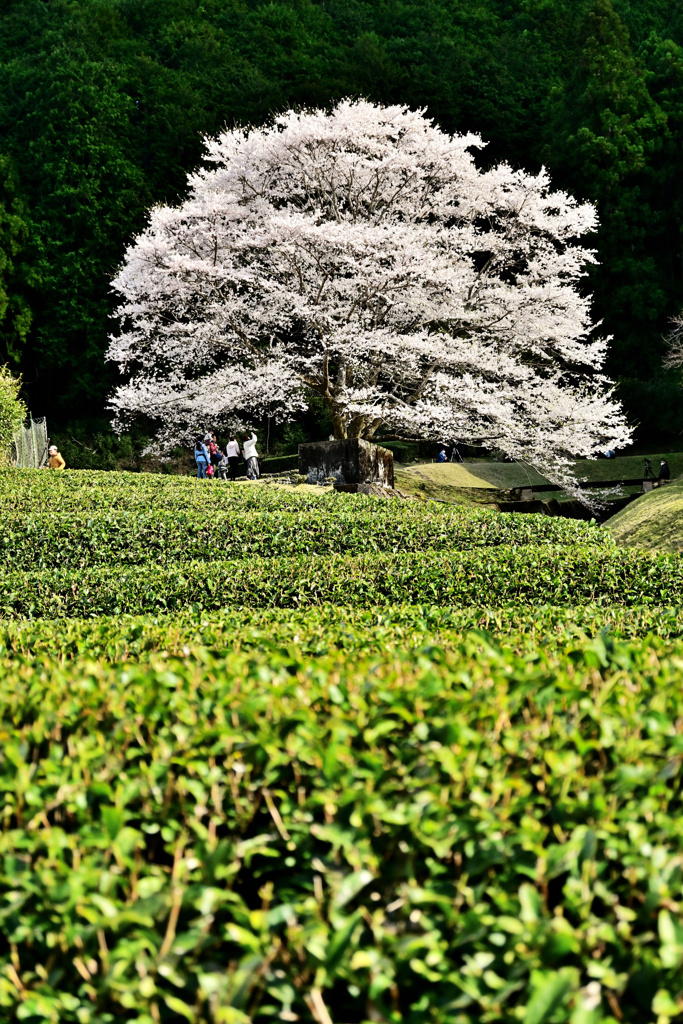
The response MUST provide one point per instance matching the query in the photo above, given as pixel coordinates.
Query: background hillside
(103, 103)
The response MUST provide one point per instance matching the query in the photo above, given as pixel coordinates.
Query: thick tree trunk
(345, 426)
(372, 427)
(356, 427)
(351, 462)
(339, 424)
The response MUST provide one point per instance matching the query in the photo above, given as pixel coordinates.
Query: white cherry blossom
(674, 357)
(361, 255)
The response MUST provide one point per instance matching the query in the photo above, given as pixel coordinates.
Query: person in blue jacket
(201, 457)
(441, 457)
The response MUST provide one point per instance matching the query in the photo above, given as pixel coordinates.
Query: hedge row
(278, 464)
(109, 538)
(492, 577)
(27, 490)
(468, 837)
(320, 630)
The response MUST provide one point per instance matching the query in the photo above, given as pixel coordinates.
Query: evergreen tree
(606, 132)
(15, 275)
(103, 104)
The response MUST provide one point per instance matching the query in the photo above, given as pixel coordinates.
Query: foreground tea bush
(464, 837)
(320, 630)
(332, 526)
(310, 794)
(493, 577)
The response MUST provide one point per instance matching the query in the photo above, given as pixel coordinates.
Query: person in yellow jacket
(55, 460)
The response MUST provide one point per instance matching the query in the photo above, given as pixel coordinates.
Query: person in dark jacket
(232, 452)
(213, 448)
(664, 471)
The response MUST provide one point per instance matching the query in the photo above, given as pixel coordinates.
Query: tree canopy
(361, 256)
(103, 104)
(12, 411)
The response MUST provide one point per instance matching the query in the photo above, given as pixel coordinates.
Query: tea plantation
(278, 757)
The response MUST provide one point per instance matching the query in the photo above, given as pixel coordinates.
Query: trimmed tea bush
(323, 629)
(80, 491)
(76, 540)
(458, 836)
(493, 577)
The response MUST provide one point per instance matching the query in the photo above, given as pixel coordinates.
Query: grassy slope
(421, 485)
(448, 480)
(653, 522)
(483, 473)
(480, 473)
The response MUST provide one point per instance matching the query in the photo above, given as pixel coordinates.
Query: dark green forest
(103, 104)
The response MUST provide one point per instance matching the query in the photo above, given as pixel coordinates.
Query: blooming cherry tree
(360, 255)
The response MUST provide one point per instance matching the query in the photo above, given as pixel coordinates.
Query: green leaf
(349, 888)
(530, 903)
(550, 992)
(178, 1006)
(338, 945)
(112, 819)
(663, 1005)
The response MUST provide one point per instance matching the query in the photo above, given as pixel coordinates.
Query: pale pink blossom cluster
(674, 356)
(360, 255)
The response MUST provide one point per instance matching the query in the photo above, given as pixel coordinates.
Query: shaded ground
(625, 467)
(653, 522)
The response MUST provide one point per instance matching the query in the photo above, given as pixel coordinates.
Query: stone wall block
(348, 462)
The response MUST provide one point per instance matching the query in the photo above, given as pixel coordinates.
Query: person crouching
(223, 467)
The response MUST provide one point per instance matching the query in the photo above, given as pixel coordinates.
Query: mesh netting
(29, 449)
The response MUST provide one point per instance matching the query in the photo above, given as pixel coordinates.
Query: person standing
(201, 457)
(232, 451)
(213, 449)
(251, 457)
(55, 460)
(664, 471)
